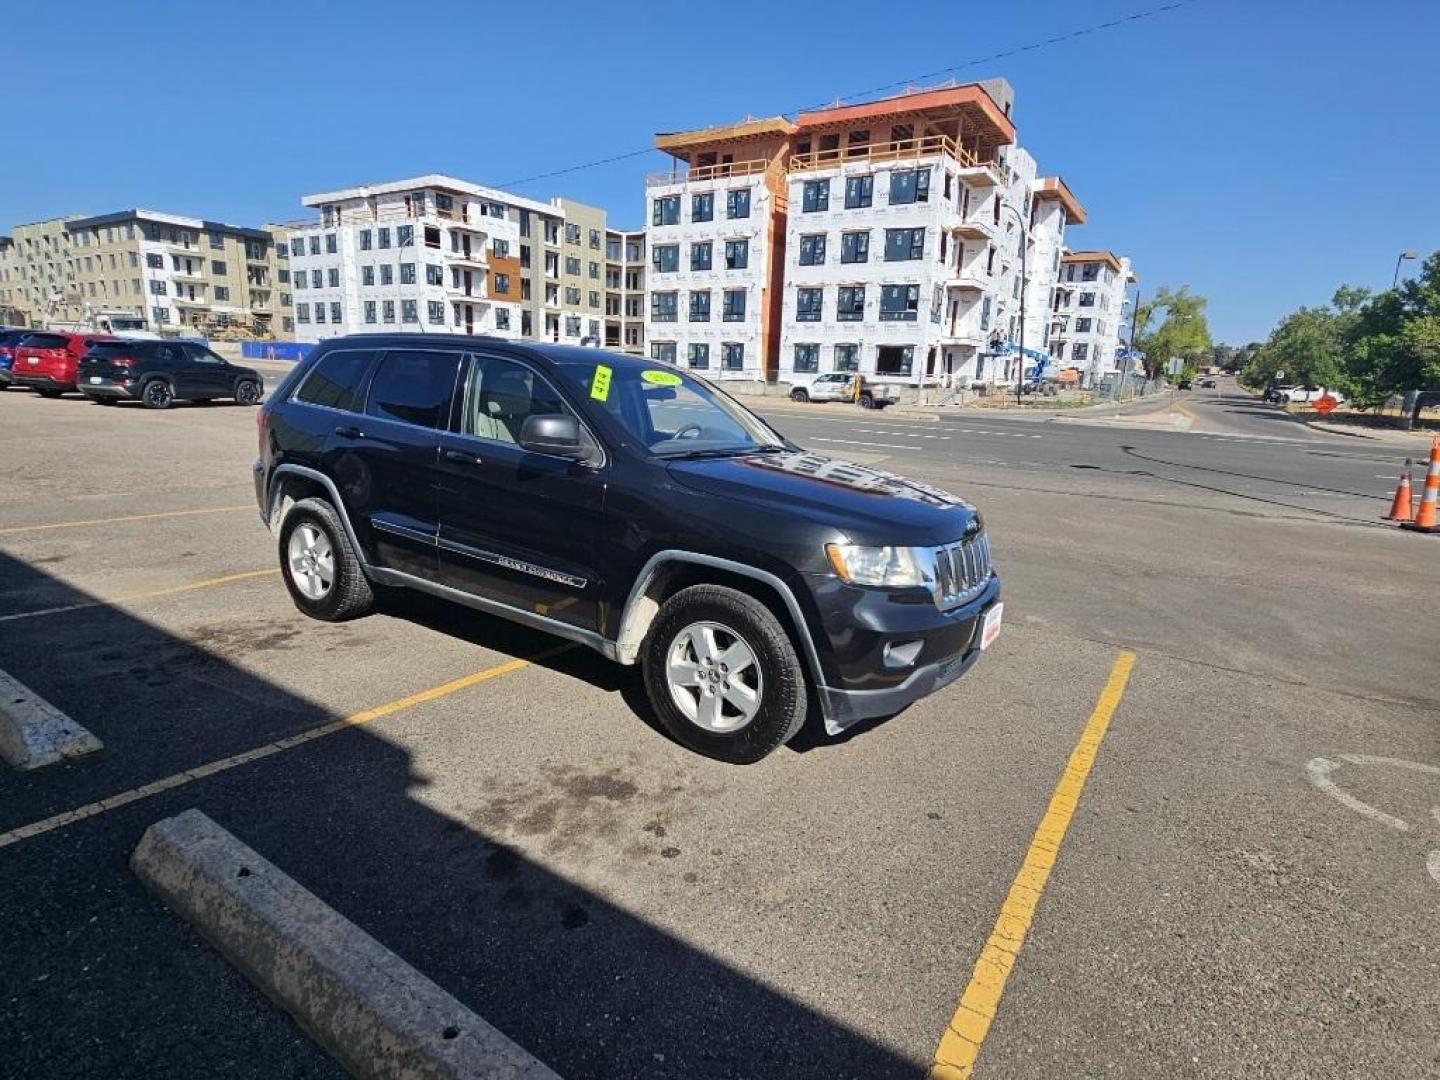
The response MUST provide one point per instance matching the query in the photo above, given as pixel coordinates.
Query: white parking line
(899, 434)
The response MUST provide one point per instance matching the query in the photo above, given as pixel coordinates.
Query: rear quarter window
(336, 379)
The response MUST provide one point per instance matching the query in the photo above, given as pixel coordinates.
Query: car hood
(867, 505)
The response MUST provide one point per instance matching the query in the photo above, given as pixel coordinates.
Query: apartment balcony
(963, 333)
(698, 173)
(970, 278)
(467, 258)
(189, 275)
(971, 166)
(185, 301)
(976, 227)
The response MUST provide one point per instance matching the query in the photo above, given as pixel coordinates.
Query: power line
(901, 84)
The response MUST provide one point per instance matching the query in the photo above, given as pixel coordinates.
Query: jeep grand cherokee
(632, 508)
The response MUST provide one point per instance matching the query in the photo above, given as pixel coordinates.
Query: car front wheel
(247, 392)
(799, 395)
(722, 674)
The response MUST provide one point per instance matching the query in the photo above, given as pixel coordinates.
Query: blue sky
(1260, 151)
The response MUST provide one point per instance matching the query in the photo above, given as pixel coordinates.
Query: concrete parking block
(34, 733)
(373, 1012)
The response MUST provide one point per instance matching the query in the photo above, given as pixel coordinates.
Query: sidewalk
(1420, 438)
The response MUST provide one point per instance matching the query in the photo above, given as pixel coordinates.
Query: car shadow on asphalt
(578, 662)
(105, 981)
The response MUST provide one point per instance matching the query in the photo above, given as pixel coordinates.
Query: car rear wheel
(866, 401)
(247, 392)
(799, 394)
(48, 393)
(319, 565)
(157, 394)
(722, 674)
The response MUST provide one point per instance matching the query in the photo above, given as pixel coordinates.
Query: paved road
(625, 909)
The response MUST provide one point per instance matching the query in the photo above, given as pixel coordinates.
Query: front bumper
(864, 634)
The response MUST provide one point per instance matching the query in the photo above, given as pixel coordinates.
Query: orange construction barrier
(1427, 518)
(1403, 506)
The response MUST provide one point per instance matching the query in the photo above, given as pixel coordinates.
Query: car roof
(550, 351)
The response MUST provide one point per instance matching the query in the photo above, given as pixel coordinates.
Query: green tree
(1311, 346)
(1393, 340)
(1184, 333)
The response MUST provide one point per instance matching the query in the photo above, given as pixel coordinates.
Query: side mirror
(556, 434)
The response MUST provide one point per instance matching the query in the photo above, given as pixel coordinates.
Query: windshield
(669, 413)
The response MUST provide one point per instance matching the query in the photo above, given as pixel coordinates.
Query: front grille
(961, 570)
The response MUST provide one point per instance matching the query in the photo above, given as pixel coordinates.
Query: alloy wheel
(714, 677)
(312, 561)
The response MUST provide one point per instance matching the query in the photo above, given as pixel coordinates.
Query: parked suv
(46, 360)
(629, 507)
(840, 386)
(161, 372)
(10, 339)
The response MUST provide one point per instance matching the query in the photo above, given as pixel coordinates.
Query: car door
(383, 459)
(168, 359)
(517, 527)
(203, 373)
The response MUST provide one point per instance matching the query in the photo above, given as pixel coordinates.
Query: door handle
(462, 457)
(349, 432)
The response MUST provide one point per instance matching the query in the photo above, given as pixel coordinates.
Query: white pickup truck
(1308, 395)
(840, 386)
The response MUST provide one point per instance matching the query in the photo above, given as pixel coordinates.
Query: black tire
(103, 400)
(49, 393)
(350, 594)
(157, 394)
(799, 394)
(247, 392)
(784, 699)
(866, 401)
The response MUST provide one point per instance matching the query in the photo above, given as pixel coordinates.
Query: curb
(373, 1012)
(34, 733)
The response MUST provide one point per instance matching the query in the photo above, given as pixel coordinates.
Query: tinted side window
(335, 380)
(414, 386)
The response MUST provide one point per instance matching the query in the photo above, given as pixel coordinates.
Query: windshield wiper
(719, 451)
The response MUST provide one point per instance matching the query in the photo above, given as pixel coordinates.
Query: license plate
(94, 378)
(32, 359)
(990, 630)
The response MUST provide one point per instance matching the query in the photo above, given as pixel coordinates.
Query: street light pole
(1395, 281)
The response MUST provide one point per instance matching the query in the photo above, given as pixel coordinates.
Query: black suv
(158, 373)
(632, 508)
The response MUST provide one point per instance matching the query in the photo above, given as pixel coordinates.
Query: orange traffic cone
(1427, 519)
(1403, 507)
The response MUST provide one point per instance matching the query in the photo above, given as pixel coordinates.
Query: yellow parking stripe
(11, 530)
(180, 779)
(965, 1034)
(208, 583)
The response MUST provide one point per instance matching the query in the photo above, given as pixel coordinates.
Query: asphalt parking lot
(502, 812)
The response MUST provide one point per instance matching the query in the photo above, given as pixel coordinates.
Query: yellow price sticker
(600, 384)
(660, 378)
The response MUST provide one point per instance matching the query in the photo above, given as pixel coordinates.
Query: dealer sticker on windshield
(660, 378)
(600, 384)
(990, 630)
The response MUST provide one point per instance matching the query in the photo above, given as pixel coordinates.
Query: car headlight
(893, 567)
